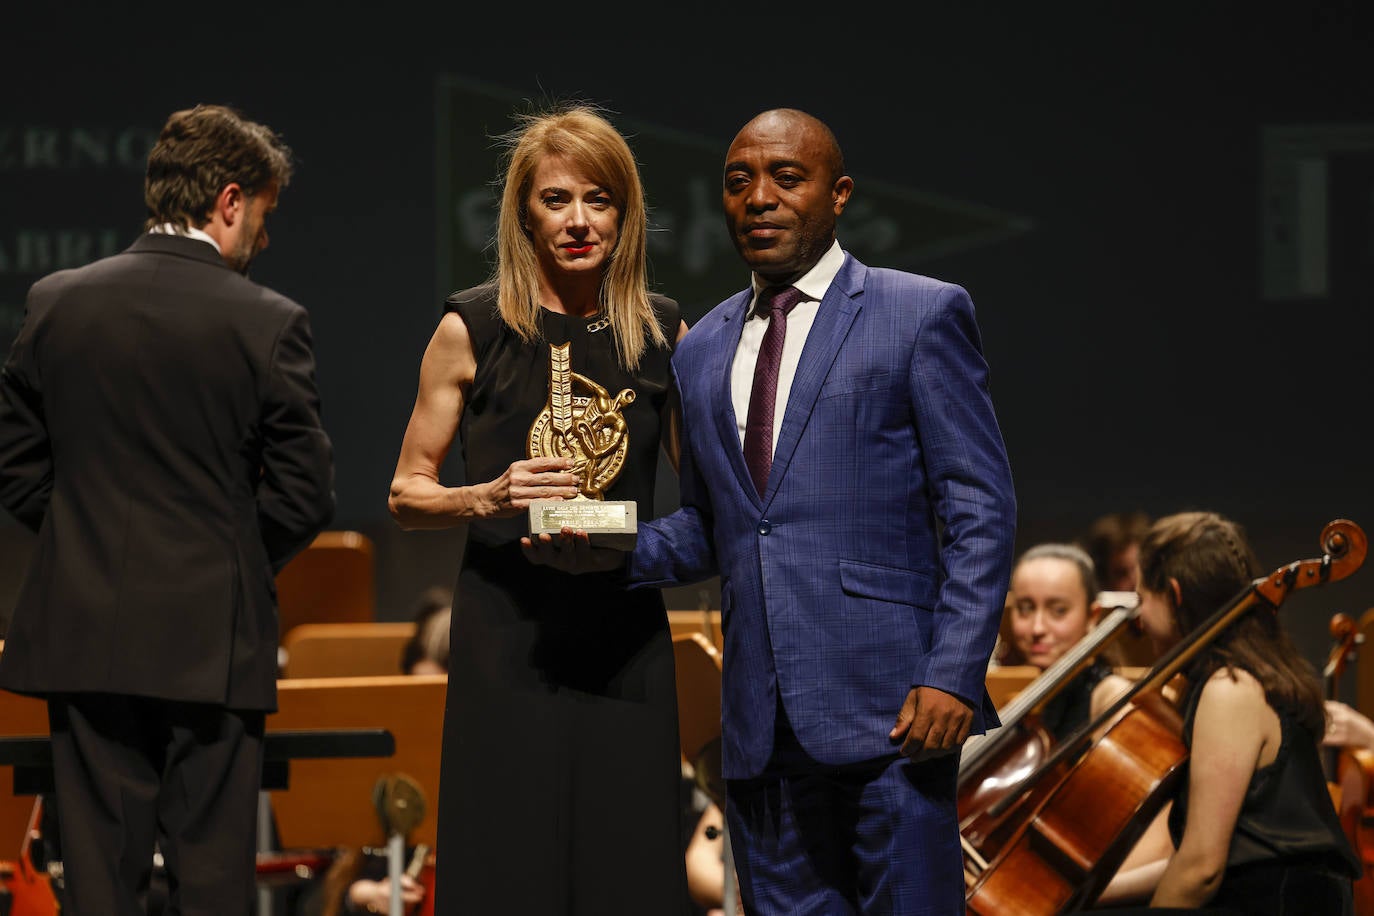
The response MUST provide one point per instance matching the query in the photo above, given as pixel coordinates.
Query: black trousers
(134, 773)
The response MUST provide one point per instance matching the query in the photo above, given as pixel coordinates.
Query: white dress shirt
(812, 285)
(190, 232)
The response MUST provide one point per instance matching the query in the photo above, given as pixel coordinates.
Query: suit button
(765, 526)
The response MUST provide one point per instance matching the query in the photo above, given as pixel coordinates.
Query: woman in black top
(1253, 824)
(561, 761)
(1053, 592)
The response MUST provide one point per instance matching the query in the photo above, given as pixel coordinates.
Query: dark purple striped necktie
(758, 426)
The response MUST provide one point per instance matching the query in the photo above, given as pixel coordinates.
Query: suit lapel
(718, 374)
(834, 318)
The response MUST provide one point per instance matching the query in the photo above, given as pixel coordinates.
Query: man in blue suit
(863, 573)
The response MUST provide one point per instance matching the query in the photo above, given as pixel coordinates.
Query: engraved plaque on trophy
(582, 421)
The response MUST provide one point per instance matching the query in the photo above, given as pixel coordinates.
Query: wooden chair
(705, 622)
(329, 803)
(699, 729)
(352, 649)
(698, 692)
(331, 581)
(19, 715)
(1006, 681)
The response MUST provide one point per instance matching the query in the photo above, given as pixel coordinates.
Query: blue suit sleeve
(972, 493)
(677, 549)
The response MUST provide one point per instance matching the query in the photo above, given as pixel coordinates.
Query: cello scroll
(1343, 544)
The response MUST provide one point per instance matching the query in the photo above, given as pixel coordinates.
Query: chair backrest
(698, 692)
(330, 802)
(352, 649)
(705, 622)
(19, 716)
(331, 581)
(1006, 681)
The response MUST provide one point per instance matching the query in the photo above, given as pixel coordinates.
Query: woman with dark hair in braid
(1253, 827)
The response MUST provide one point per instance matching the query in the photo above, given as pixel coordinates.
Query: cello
(1351, 769)
(1068, 850)
(993, 765)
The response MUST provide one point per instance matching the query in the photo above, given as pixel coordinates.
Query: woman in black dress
(561, 766)
(1252, 830)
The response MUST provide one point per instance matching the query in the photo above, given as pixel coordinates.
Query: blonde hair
(580, 133)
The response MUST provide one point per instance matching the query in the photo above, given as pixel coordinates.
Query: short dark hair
(1111, 533)
(198, 152)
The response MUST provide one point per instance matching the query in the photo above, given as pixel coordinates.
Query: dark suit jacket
(160, 431)
(879, 556)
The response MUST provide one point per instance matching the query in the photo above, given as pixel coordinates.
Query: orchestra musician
(1052, 606)
(1251, 829)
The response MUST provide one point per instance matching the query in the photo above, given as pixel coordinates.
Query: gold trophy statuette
(590, 429)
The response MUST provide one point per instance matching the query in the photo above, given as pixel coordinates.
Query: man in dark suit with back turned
(160, 431)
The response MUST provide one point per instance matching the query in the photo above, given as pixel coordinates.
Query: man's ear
(840, 191)
(1177, 591)
(229, 203)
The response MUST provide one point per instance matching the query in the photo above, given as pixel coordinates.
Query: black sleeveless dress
(560, 778)
(1072, 705)
(1289, 855)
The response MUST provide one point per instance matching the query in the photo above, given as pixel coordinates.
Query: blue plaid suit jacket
(878, 558)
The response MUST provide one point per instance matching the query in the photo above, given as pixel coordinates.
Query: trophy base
(608, 523)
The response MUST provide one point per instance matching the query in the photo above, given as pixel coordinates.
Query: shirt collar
(815, 281)
(186, 231)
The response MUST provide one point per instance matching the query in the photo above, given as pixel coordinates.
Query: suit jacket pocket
(888, 610)
(887, 583)
(842, 385)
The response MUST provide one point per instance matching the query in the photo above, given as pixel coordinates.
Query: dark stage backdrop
(1165, 220)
